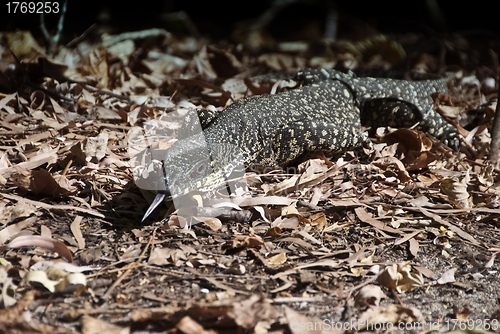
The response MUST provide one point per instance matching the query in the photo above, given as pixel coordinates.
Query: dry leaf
(48, 157)
(77, 232)
(34, 240)
(401, 277)
(14, 229)
(391, 314)
(39, 278)
(277, 259)
(447, 277)
(189, 326)
(393, 164)
(369, 295)
(44, 184)
(461, 316)
(241, 241)
(92, 325)
(96, 146)
(213, 223)
(11, 213)
(457, 192)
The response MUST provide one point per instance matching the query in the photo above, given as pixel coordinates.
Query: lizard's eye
(198, 169)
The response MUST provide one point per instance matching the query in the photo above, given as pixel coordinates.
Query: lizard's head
(192, 165)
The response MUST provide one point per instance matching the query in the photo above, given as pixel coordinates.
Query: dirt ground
(403, 240)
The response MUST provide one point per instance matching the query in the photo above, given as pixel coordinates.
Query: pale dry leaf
(389, 314)
(178, 221)
(413, 246)
(67, 267)
(45, 232)
(320, 263)
(37, 99)
(11, 213)
(490, 262)
(14, 229)
(96, 146)
(393, 164)
(247, 312)
(188, 326)
(288, 223)
(5, 103)
(369, 295)
(277, 259)
(42, 157)
(262, 213)
(4, 161)
(426, 272)
(213, 223)
(96, 65)
(7, 300)
(290, 210)
(242, 241)
(447, 277)
(77, 232)
(39, 241)
(57, 108)
(164, 256)
(72, 283)
(299, 323)
(285, 184)
(163, 63)
(38, 277)
(22, 44)
(202, 62)
(309, 237)
(92, 325)
(457, 193)
(408, 279)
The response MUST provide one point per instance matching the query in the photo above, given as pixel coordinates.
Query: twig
(495, 136)
(53, 40)
(105, 92)
(132, 266)
(50, 206)
(80, 38)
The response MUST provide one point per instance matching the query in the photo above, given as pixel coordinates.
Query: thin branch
(53, 40)
(495, 136)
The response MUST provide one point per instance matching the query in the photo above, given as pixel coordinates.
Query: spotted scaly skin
(323, 115)
(266, 130)
(390, 102)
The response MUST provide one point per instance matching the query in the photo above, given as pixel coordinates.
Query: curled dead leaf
(447, 277)
(410, 139)
(241, 241)
(394, 164)
(389, 314)
(369, 295)
(277, 259)
(189, 326)
(39, 241)
(401, 277)
(460, 316)
(457, 193)
(213, 223)
(38, 277)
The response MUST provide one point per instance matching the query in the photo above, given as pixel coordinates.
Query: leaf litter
(388, 240)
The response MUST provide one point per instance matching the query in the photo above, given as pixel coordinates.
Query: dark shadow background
(217, 19)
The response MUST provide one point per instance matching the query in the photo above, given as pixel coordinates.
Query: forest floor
(403, 243)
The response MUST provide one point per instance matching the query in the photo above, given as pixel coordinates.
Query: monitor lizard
(324, 114)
